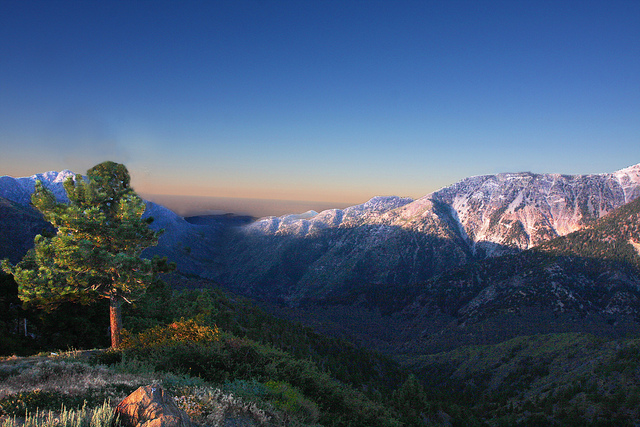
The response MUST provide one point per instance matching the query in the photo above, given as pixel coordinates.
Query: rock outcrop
(151, 406)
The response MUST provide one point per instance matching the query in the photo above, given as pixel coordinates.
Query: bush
(109, 357)
(183, 331)
(190, 349)
(289, 399)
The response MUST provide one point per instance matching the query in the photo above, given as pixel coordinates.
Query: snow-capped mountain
(311, 221)
(393, 240)
(387, 240)
(19, 190)
(522, 210)
(509, 210)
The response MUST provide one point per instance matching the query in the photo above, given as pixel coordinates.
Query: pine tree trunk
(115, 317)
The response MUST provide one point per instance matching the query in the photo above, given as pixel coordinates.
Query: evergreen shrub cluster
(288, 385)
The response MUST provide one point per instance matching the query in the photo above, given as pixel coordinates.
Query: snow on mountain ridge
(53, 176)
(629, 178)
(524, 209)
(517, 210)
(311, 221)
(19, 190)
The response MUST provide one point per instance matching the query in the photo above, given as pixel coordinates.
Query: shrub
(183, 331)
(289, 399)
(194, 350)
(209, 406)
(108, 357)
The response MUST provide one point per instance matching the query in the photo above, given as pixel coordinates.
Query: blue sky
(329, 101)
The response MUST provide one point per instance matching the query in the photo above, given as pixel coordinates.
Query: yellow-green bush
(182, 331)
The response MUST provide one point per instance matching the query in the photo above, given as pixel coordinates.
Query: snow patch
(516, 203)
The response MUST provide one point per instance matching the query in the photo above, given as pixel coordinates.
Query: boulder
(151, 406)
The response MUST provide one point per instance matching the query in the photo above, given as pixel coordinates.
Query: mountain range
(393, 240)
(586, 281)
(485, 259)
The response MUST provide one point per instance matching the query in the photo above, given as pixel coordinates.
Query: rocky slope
(587, 281)
(523, 210)
(291, 259)
(392, 240)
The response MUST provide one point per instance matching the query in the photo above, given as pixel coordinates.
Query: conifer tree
(411, 401)
(96, 250)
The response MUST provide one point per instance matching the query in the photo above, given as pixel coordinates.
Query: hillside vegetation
(570, 379)
(293, 375)
(545, 337)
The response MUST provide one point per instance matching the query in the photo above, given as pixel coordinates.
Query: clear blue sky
(333, 101)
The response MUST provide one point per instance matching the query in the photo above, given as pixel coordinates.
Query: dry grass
(65, 374)
(211, 407)
(33, 388)
(101, 416)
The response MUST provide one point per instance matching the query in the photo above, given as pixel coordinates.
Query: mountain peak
(629, 180)
(53, 176)
(630, 170)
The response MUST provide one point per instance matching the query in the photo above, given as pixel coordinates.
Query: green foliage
(185, 361)
(411, 402)
(230, 358)
(100, 235)
(291, 401)
(610, 238)
(556, 379)
(370, 372)
(96, 250)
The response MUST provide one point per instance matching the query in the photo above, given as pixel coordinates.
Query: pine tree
(96, 250)
(411, 402)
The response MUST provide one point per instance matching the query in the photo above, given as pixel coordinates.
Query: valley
(510, 286)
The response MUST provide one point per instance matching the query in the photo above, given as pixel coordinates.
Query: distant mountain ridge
(488, 207)
(21, 222)
(393, 240)
(19, 190)
(387, 240)
(587, 281)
